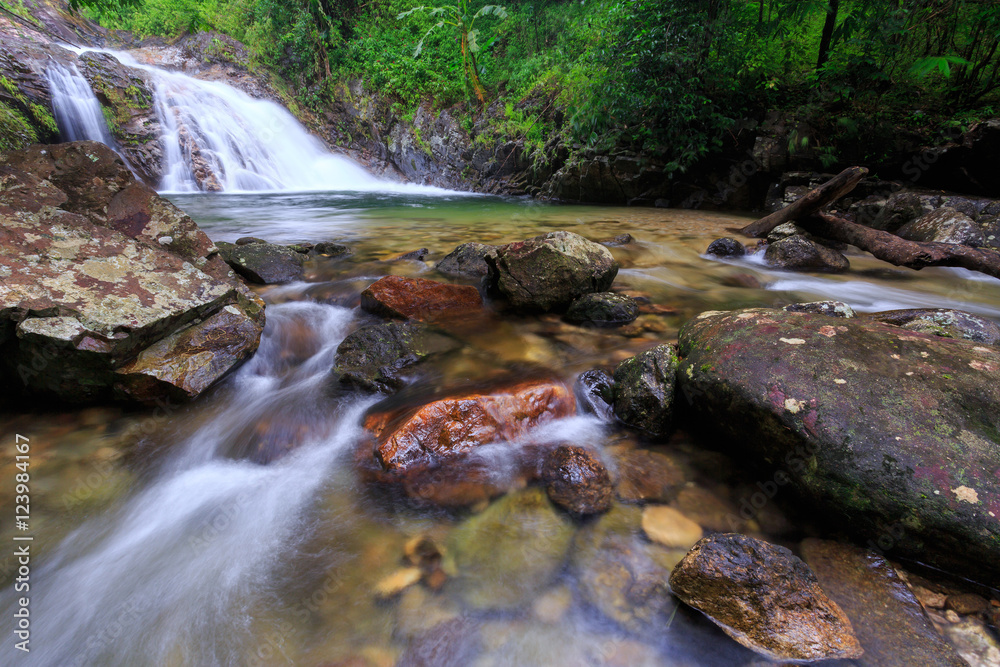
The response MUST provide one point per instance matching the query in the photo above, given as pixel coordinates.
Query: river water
(160, 541)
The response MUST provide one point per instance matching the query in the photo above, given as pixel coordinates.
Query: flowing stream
(161, 540)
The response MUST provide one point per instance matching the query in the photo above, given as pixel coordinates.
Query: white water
(77, 111)
(218, 138)
(173, 571)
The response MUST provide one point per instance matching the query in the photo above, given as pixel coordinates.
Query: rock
(943, 225)
(765, 598)
(726, 247)
(466, 261)
(669, 527)
(784, 231)
(973, 641)
(453, 643)
(420, 299)
(376, 357)
(967, 603)
(888, 433)
(510, 552)
(249, 240)
(828, 308)
(453, 482)
(645, 476)
(263, 263)
(412, 256)
(622, 575)
(644, 390)
(797, 253)
(108, 290)
(188, 362)
(595, 395)
(943, 322)
(548, 272)
(991, 230)
(327, 249)
(397, 582)
(577, 481)
(708, 510)
(456, 425)
(618, 241)
(887, 618)
(904, 207)
(603, 309)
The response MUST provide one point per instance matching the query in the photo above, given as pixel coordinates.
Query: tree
(459, 17)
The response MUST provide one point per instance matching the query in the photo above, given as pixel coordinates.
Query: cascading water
(76, 108)
(186, 556)
(217, 138)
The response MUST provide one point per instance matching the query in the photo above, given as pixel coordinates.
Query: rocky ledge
(109, 291)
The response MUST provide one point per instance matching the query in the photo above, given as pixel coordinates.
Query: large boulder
(943, 225)
(108, 290)
(456, 425)
(420, 299)
(894, 434)
(764, 597)
(548, 272)
(603, 309)
(943, 322)
(644, 390)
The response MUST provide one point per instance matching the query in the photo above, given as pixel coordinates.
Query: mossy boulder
(893, 434)
(548, 272)
(264, 263)
(376, 357)
(509, 553)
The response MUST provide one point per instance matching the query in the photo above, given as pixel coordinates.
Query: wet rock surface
(828, 308)
(644, 390)
(887, 618)
(832, 403)
(378, 357)
(577, 481)
(797, 253)
(646, 476)
(548, 272)
(764, 597)
(726, 247)
(420, 299)
(102, 280)
(943, 225)
(603, 309)
(466, 261)
(452, 426)
(595, 393)
(264, 263)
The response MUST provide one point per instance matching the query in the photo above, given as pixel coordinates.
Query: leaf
(473, 44)
(495, 10)
(942, 64)
(420, 44)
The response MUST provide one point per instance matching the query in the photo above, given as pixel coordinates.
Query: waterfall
(77, 111)
(219, 139)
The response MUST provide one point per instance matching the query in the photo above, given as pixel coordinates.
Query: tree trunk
(827, 37)
(900, 252)
(814, 200)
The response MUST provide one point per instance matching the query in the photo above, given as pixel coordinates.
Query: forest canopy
(667, 77)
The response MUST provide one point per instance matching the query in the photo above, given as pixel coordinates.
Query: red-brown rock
(420, 299)
(456, 425)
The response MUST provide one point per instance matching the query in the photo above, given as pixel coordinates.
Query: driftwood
(898, 251)
(813, 201)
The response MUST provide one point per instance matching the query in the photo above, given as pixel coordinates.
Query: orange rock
(456, 425)
(420, 299)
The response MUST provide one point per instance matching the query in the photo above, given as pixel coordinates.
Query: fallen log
(900, 252)
(811, 202)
